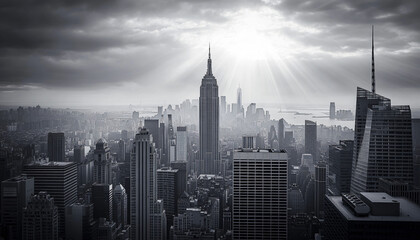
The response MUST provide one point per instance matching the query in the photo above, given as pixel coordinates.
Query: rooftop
(408, 211)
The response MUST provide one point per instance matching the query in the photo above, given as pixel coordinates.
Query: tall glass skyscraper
(383, 145)
(209, 122)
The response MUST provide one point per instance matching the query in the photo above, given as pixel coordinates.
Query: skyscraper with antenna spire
(209, 122)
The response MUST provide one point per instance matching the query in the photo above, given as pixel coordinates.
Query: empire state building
(209, 123)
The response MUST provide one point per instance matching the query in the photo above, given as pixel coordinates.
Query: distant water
(297, 116)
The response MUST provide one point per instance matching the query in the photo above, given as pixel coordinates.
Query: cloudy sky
(113, 52)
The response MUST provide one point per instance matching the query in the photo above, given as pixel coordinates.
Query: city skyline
(277, 51)
(107, 132)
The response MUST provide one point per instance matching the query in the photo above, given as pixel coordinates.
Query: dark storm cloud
(79, 44)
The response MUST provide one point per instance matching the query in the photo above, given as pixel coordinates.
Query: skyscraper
(80, 223)
(320, 188)
(15, 194)
(340, 162)
(78, 153)
(181, 144)
(119, 208)
(145, 209)
(102, 201)
(40, 218)
(209, 122)
(259, 194)
(383, 142)
(153, 126)
(332, 110)
(239, 100)
(56, 147)
(223, 105)
(311, 139)
(59, 180)
(168, 189)
(102, 163)
(280, 134)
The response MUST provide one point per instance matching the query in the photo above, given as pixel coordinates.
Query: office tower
(249, 142)
(259, 194)
(56, 147)
(320, 188)
(182, 172)
(59, 180)
(340, 162)
(209, 122)
(153, 126)
(102, 172)
(15, 194)
(416, 150)
(281, 134)
(121, 151)
(78, 153)
(181, 144)
(374, 216)
(146, 213)
(102, 201)
(223, 105)
(239, 100)
(119, 207)
(382, 142)
(168, 189)
(80, 223)
(40, 218)
(311, 139)
(332, 110)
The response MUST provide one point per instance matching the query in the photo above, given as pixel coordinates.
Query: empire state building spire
(209, 70)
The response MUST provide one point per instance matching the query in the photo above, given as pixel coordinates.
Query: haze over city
(209, 120)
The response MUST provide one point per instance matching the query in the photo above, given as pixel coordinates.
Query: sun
(253, 35)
